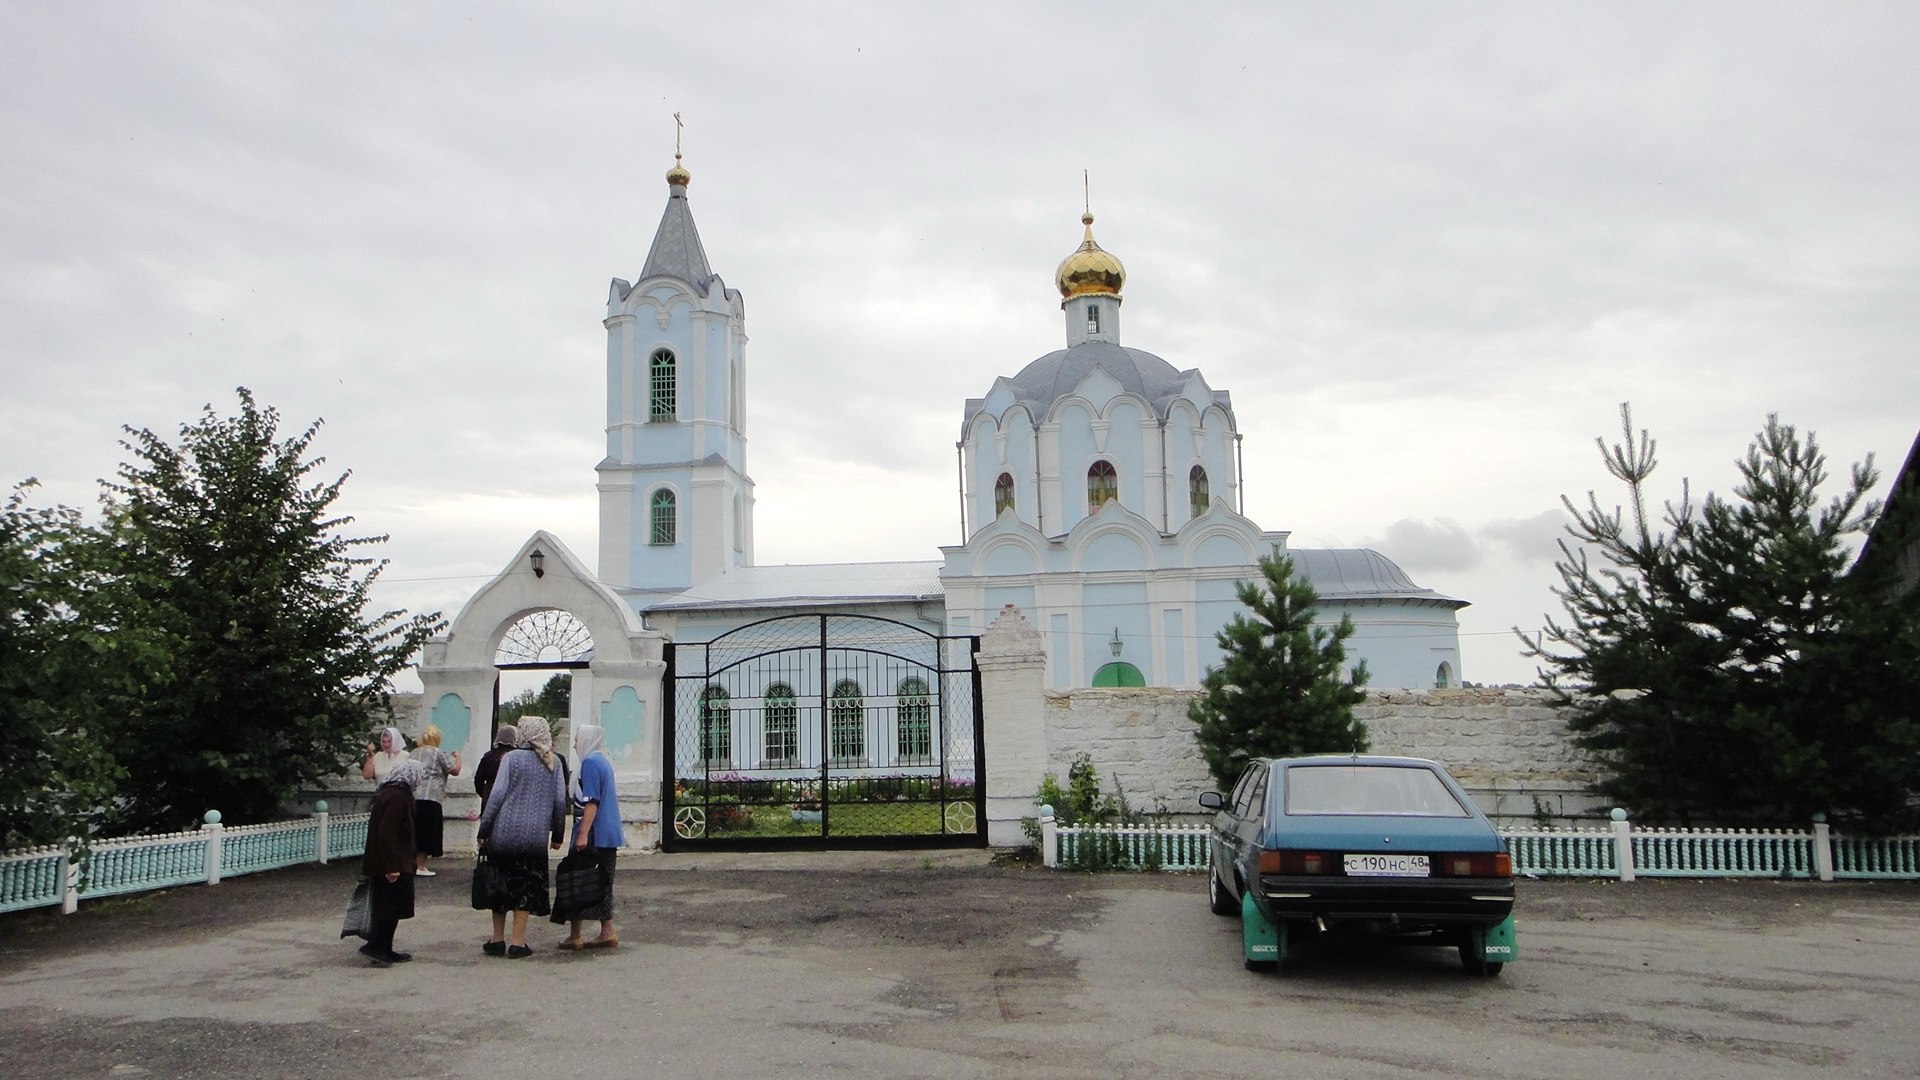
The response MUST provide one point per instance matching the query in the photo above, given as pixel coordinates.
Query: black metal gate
(824, 731)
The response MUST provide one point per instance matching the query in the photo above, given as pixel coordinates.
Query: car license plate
(1387, 866)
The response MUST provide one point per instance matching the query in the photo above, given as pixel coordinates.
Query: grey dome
(1045, 381)
(1360, 574)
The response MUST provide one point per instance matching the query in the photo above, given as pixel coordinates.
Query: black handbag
(486, 884)
(359, 918)
(576, 886)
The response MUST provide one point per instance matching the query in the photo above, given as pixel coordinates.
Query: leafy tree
(1726, 665)
(60, 779)
(1281, 688)
(226, 549)
(552, 701)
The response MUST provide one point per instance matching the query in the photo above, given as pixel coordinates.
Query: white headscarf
(588, 739)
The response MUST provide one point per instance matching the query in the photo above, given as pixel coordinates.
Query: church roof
(810, 585)
(1360, 574)
(1059, 373)
(676, 251)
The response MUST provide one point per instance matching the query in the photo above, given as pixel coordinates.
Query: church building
(1101, 487)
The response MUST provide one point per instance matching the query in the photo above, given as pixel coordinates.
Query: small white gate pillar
(1013, 662)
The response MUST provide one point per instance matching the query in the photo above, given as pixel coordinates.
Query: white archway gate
(544, 610)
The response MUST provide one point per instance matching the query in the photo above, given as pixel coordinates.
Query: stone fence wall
(1509, 748)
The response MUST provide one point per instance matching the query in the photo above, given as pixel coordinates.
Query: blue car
(1359, 843)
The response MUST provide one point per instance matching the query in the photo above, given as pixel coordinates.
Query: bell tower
(676, 504)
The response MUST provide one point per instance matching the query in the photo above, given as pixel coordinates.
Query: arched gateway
(545, 610)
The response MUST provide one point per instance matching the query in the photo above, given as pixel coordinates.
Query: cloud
(1532, 539)
(1440, 544)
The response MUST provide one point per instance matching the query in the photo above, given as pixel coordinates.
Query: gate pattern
(824, 731)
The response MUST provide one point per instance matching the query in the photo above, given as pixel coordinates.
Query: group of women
(526, 791)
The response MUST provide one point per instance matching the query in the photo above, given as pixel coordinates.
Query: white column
(1013, 664)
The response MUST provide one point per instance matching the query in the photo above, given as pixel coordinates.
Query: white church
(1103, 503)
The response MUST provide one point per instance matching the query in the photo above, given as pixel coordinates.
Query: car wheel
(1217, 897)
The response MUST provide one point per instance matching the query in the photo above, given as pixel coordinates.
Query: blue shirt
(596, 786)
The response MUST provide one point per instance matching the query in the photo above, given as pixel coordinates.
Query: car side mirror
(1212, 800)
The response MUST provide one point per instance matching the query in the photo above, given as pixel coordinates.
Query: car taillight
(1296, 862)
(1476, 864)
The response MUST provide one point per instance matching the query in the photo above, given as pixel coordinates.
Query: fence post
(1622, 844)
(1049, 837)
(212, 829)
(69, 880)
(320, 830)
(1822, 848)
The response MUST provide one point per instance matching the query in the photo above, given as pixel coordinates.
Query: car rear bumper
(1410, 903)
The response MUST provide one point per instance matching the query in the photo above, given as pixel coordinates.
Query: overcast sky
(1429, 249)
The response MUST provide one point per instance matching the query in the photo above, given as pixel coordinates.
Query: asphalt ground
(946, 964)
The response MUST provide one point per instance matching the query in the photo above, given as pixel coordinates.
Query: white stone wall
(1509, 748)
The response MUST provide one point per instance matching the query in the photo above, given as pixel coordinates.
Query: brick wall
(1509, 748)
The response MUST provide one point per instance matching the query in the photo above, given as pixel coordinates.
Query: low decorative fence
(1620, 851)
(43, 877)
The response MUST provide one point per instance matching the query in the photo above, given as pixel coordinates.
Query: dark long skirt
(429, 825)
(390, 901)
(521, 884)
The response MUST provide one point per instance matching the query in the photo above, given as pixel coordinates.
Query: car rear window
(1369, 789)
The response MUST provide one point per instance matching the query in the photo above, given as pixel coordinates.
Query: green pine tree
(1730, 666)
(1281, 688)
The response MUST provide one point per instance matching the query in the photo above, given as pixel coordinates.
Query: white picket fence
(1619, 851)
(45, 876)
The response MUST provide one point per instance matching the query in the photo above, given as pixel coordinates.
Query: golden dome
(1089, 269)
(677, 175)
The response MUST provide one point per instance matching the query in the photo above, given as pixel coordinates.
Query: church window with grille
(915, 719)
(662, 519)
(1093, 318)
(782, 725)
(847, 722)
(1103, 485)
(1003, 494)
(662, 392)
(1197, 492)
(716, 728)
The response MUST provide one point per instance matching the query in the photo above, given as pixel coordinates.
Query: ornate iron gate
(822, 731)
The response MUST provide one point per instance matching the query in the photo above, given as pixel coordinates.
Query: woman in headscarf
(383, 755)
(429, 820)
(388, 861)
(524, 817)
(597, 837)
(504, 740)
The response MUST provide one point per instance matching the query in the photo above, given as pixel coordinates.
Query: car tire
(1217, 898)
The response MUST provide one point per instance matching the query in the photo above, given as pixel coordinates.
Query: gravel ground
(947, 964)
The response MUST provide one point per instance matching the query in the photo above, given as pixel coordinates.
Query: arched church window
(1443, 676)
(915, 718)
(1003, 494)
(1103, 485)
(716, 728)
(662, 519)
(1093, 318)
(662, 393)
(1197, 490)
(847, 722)
(782, 718)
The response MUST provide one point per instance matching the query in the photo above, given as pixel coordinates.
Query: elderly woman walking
(597, 837)
(383, 755)
(525, 816)
(388, 861)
